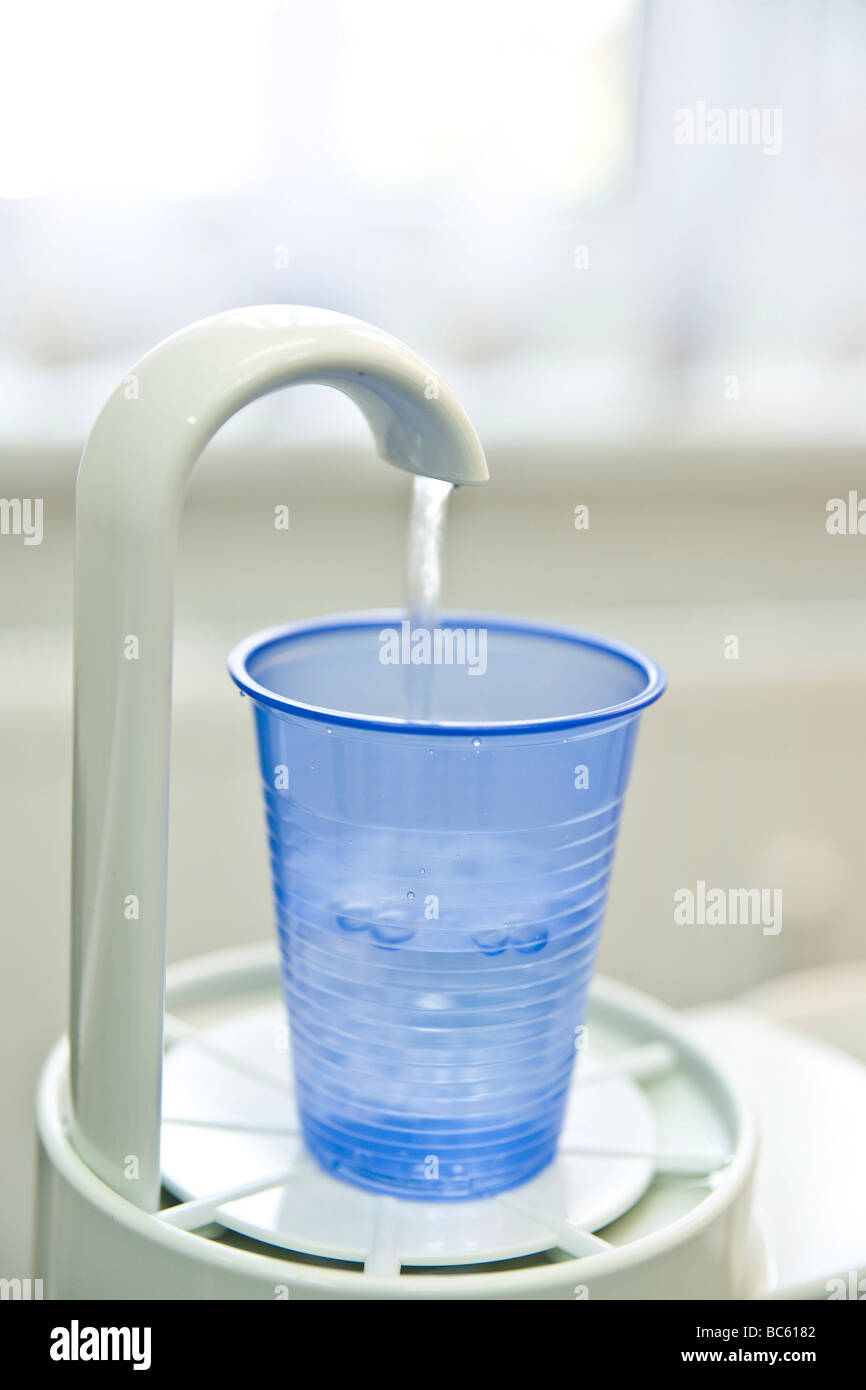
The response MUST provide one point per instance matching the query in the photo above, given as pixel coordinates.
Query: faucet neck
(131, 481)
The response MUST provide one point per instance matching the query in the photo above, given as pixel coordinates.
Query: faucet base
(690, 1239)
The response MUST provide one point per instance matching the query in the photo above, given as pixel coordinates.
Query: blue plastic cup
(439, 885)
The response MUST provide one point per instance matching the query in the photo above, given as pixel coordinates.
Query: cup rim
(252, 646)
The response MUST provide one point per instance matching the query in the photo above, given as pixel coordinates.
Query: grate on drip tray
(645, 1141)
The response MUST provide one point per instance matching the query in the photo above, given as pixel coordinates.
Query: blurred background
(643, 319)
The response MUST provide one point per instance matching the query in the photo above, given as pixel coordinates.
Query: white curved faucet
(133, 473)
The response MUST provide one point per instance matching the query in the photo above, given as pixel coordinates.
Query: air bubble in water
(434, 1001)
(529, 939)
(391, 932)
(491, 942)
(346, 922)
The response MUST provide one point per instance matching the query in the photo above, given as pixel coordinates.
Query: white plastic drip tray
(232, 1152)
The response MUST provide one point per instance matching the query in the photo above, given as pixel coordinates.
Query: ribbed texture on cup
(433, 1053)
(439, 885)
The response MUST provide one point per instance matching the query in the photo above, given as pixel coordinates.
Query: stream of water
(424, 579)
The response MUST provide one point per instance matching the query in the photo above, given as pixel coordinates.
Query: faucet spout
(131, 481)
